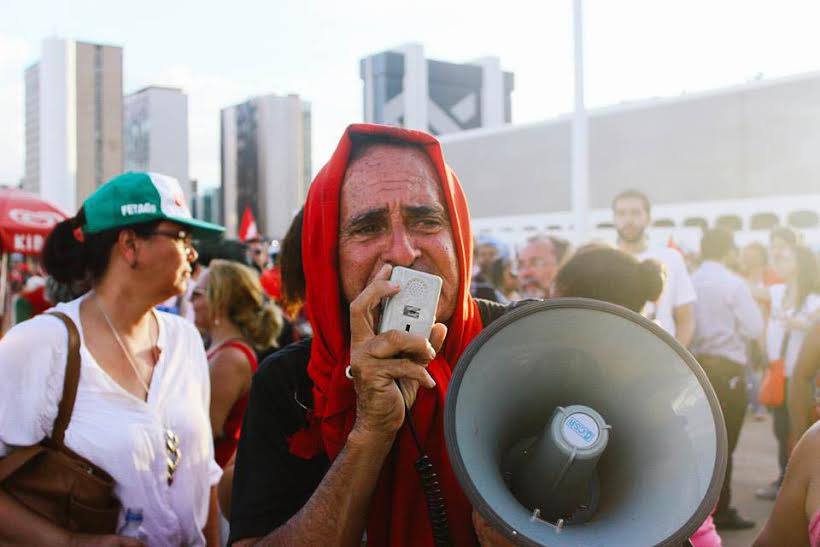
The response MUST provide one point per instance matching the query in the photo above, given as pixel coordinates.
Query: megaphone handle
(429, 484)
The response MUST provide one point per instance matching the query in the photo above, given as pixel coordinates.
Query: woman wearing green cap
(141, 410)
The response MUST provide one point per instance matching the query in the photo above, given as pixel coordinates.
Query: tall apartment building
(265, 161)
(156, 133)
(402, 87)
(73, 120)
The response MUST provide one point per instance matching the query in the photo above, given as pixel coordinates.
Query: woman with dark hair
(504, 279)
(141, 410)
(795, 305)
(611, 275)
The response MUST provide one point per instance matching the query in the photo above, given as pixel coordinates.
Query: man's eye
(367, 229)
(428, 223)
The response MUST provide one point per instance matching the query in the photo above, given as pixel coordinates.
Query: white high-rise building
(156, 133)
(73, 120)
(265, 162)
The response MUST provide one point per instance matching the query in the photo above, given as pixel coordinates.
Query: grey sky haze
(222, 53)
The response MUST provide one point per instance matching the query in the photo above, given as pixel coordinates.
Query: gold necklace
(174, 454)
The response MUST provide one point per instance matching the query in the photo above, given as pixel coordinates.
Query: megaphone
(579, 422)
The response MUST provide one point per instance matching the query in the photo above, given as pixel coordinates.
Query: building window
(763, 221)
(729, 222)
(664, 223)
(803, 219)
(696, 222)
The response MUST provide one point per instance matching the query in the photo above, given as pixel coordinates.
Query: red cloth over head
(398, 515)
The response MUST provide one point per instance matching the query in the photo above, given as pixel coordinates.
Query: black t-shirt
(270, 484)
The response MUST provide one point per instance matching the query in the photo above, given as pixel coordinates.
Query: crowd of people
(236, 398)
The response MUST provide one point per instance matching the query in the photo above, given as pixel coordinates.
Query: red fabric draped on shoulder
(398, 514)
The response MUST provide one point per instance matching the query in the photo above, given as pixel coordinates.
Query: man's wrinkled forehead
(387, 172)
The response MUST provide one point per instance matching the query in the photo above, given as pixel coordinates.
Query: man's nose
(401, 249)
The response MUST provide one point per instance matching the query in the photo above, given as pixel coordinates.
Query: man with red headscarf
(324, 455)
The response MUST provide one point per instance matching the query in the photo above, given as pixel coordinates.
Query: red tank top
(225, 447)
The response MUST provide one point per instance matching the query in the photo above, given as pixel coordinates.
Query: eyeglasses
(181, 236)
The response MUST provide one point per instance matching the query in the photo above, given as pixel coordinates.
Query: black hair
(290, 263)
(716, 244)
(497, 269)
(611, 275)
(632, 193)
(226, 249)
(71, 261)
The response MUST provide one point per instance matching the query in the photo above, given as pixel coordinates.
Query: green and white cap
(134, 198)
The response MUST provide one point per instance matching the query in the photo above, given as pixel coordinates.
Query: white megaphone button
(580, 430)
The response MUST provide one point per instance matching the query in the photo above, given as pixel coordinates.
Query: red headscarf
(398, 515)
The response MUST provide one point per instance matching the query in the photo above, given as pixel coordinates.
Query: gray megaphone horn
(579, 422)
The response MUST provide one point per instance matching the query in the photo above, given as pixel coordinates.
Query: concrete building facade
(403, 88)
(156, 133)
(747, 152)
(266, 162)
(73, 120)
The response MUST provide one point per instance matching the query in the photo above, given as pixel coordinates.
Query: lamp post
(580, 135)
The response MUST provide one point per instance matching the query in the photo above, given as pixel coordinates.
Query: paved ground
(755, 466)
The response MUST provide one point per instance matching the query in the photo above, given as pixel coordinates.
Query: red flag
(247, 229)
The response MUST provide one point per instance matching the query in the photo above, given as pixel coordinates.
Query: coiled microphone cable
(430, 485)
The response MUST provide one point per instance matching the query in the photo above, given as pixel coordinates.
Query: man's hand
(377, 361)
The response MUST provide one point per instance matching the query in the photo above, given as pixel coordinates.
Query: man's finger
(363, 308)
(393, 369)
(437, 335)
(392, 343)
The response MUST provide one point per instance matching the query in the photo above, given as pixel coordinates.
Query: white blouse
(114, 429)
(776, 328)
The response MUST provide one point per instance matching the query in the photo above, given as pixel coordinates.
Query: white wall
(58, 124)
(169, 135)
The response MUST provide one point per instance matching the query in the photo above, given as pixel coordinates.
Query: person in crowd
(241, 321)
(795, 519)
(258, 256)
(759, 274)
(727, 318)
(323, 454)
(503, 276)
(795, 305)
(488, 250)
(781, 239)
(603, 273)
(804, 390)
(141, 410)
(293, 297)
(674, 310)
(538, 262)
(611, 275)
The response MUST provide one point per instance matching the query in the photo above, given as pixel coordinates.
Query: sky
(221, 53)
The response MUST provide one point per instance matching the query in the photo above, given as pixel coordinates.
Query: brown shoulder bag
(53, 481)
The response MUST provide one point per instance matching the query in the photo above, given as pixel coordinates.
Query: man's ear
(127, 246)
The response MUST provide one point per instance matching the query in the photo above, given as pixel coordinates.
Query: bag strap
(72, 380)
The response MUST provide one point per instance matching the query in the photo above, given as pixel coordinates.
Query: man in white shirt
(674, 310)
(726, 319)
